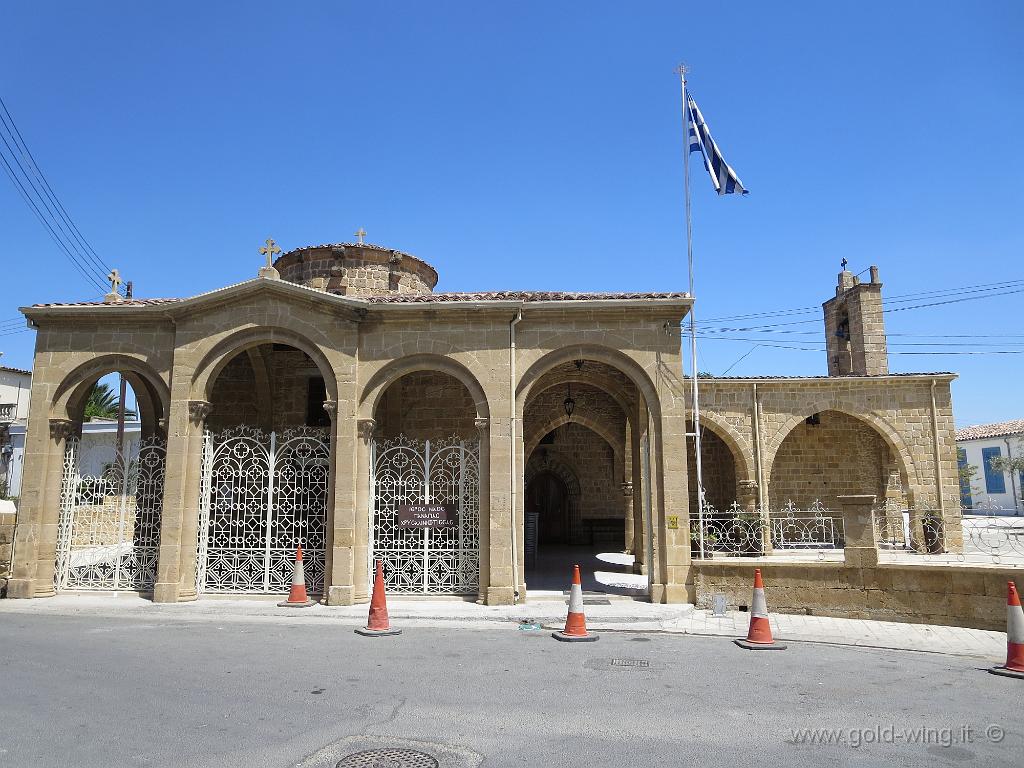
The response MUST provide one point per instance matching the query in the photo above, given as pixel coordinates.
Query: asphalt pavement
(101, 691)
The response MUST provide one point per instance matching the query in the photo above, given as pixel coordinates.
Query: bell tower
(855, 327)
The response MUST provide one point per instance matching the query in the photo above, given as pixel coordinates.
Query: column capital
(481, 424)
(198, 411)
(366, 428)
(62, 429)
(331, 406)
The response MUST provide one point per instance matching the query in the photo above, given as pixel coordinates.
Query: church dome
(356, 269)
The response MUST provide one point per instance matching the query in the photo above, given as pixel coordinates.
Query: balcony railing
(7, 412)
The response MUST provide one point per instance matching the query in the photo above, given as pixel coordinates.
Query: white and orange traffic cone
(575, 623)
(759, 634)
(377, 623)
(1014, 666)
(297, 597)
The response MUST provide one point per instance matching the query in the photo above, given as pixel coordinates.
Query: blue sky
(538, 146)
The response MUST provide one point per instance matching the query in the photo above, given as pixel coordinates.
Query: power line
(89, 250)
(59, 226)
(42, 220)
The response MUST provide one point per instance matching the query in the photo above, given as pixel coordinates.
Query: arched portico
(63, 497)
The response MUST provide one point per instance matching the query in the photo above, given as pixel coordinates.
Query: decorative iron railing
(980, 534)
(7, 412)
(737, 532)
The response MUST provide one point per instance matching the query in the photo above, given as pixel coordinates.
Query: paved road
(86, 691)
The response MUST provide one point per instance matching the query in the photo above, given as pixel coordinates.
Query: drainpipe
(512, 445)
(757, 449)
(1013, 478)
(937, 456)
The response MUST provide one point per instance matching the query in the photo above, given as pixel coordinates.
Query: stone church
(334, 399)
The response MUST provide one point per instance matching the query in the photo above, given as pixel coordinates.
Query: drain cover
(630, 663)
(388, 758)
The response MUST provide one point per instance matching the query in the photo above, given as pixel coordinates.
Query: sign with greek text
(428, 516)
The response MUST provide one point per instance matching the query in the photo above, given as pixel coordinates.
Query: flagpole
(693, 325)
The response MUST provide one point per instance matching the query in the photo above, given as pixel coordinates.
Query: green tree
(1006, 464)
(102, 404)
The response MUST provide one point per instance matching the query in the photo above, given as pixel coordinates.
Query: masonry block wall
(427, 405)
(593, 458)
(7, 524)
(718, 470)
(235, 397)
(839, 455)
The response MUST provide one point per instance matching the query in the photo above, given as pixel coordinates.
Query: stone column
(363, 517)
(339, 555)
(179, 520)
(484, 502)
(503, 583)
(639, 531)
(859, 531)
(627, 500)
(35, 539)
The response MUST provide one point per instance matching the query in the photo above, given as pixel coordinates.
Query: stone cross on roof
(270, 250)
(360, 233)
(843, 263)
(114, 296)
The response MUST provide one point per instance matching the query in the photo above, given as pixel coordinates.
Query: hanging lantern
(568, 404)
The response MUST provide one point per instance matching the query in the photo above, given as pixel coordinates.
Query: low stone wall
(963, 596)
(7, 520)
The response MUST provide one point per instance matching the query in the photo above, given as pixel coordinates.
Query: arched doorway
(111, 503)
(547, 501)
(425, 485)
(266, 473)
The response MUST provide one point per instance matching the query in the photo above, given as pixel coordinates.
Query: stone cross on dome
(360, 233)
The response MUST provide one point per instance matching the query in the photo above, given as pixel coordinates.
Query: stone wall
(718, 470)
(234, 396)
(962, 596)
(276, 399)
(593, 462)
(427, 405)
(357, 270)
(840, 455)
(7, 520)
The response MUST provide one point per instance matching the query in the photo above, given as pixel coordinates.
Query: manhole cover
(388, 758)
(630, 663)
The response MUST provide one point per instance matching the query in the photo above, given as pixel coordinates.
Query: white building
(98, 449)
(15, 385)
(977, 446)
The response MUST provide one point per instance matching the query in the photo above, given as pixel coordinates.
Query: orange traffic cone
(575, 623)
(1014, 666)
(377, 624)
(759, 634)
(297, 597)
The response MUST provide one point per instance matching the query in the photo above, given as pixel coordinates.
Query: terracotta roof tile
(524, 296)
(998, 429)
(125, 303)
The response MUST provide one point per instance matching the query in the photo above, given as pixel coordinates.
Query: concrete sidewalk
(617, 615)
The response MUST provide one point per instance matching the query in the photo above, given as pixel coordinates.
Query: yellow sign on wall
(673, 522)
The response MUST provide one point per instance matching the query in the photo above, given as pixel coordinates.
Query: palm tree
(102, 404)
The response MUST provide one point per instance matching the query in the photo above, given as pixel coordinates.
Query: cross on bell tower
(360, 233)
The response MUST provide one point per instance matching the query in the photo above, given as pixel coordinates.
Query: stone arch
(396, 369)
(151, 390)
(598, 382)
(563, 468)
(226, 349)
(617, 445)
(902, 455)
(851, 474)
(613, 357)
(742, 455)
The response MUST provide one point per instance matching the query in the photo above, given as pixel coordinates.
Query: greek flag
(722, 176)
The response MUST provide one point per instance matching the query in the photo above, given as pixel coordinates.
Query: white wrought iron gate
(108, 532)
(431, 472)
(263, 494)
